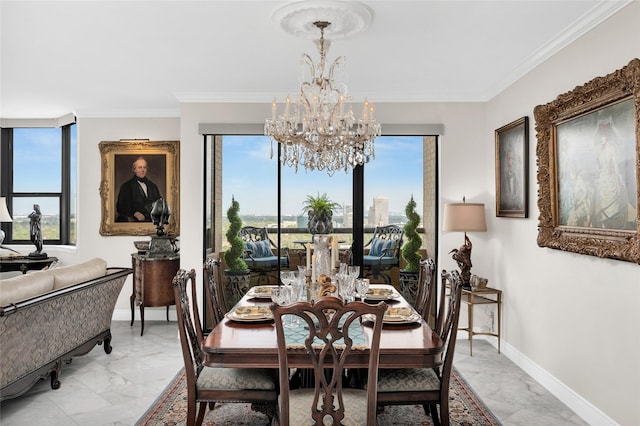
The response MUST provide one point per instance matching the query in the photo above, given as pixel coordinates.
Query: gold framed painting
(134, 175)
(512, 169)
(588, 156)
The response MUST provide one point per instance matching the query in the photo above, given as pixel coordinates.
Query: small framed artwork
(512, 169)
(134, 175)
(588, 156)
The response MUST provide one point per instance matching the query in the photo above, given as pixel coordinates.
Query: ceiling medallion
(347, 18)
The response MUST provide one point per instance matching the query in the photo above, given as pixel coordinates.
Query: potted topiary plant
(236, 273)
(320, 212)
(411, 253)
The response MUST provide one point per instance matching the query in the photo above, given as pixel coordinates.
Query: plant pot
(320, 223)
(237, 283)
(409, 285)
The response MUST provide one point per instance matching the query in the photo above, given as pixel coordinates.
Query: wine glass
(354, 270)
(343, 269)
(287, 278)
(296, 286)
(302, 271)
(346, 288)
(362, 286)
(279, 295)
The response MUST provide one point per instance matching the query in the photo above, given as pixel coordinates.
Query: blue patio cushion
(377, 260)
(266, 263)
(260, 249)
(378, 247)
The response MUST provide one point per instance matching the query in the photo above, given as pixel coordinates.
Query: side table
(152, 283)
(481, 296)
(24, 263)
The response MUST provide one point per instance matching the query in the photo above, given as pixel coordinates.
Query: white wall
(572, 318)
(573, 315)
(116, 250)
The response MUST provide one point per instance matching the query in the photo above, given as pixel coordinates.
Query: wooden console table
(24, 263)
(152, 283)
(481, 296)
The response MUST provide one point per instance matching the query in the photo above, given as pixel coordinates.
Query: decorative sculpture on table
(162, 245)
(35, 232)
(160, 213)
(462, 256)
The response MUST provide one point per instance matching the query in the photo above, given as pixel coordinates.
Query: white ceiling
(142, 58)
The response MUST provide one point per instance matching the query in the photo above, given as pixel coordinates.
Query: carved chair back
(328, 341)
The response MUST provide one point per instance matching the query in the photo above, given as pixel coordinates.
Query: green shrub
(411, 249)
(233, 256)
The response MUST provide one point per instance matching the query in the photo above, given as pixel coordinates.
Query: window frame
(213, 179)
(64, 196)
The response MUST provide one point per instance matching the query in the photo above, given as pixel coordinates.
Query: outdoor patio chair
(384, 252)
(260, 254)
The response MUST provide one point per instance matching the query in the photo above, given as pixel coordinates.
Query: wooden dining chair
(424, 303)
(208, 385)
(326, 338)
(428, 386)
(214, 291)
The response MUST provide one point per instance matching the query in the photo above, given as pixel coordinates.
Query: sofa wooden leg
(55, 375)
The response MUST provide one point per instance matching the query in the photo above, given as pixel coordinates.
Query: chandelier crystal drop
(317, 130)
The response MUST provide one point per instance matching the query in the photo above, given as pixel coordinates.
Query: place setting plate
(397, 316)
(404, 315)
(260, 291)
(250, 314)
(381, 293)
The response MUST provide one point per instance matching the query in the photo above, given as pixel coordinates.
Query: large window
(241, 166)
(39, 167)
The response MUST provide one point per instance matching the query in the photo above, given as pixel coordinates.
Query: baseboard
(583, 408)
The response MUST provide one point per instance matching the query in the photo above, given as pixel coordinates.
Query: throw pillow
(378, 246)
(259, 248)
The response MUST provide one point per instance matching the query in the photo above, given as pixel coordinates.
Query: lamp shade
(464, 217)
(4, 212)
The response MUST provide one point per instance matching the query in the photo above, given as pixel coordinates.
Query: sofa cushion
(78, 273)
(24, 287)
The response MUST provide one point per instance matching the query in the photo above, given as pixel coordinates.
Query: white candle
(313, 269)
(308, 245)
(273, 110)
(334, 252)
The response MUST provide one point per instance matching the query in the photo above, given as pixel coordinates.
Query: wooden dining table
(253, 344)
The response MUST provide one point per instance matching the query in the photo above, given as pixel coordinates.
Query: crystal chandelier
(317, 130)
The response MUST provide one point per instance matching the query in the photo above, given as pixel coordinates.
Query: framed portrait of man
(135, 174)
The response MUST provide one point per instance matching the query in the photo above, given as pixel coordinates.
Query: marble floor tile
(117, 389)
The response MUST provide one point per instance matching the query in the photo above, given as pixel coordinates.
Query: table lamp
(4, 217)
(464, 217)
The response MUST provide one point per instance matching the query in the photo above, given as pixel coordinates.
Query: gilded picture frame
(588, 157)
(512, 169)
(162, 159)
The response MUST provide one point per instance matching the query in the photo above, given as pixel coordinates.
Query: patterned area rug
(170, 409)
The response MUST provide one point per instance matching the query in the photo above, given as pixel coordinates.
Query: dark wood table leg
(141, 319)
(132, 300)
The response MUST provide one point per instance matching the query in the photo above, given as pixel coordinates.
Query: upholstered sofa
(49, 317)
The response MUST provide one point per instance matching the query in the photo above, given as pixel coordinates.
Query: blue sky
(251, 176)
(37, 167)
